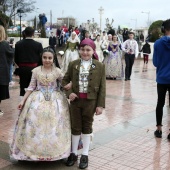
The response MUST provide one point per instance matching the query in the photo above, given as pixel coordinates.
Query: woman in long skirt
(71, 51)
(113, 62)
(43, 131)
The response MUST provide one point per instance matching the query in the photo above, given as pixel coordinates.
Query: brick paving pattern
(128, 123)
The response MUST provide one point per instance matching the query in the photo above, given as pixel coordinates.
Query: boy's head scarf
(90, 43)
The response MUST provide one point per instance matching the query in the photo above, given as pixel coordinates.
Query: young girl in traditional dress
(42, 132)
(99, 51)
(113, 61)
(71, 51)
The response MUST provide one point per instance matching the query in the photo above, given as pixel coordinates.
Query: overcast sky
(122, 11)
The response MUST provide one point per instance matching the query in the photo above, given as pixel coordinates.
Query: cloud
(121, 10)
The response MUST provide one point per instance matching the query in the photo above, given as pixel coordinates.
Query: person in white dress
(43, 130)
(99, 51)
(113, 62)
(104, 36)
(71, 51)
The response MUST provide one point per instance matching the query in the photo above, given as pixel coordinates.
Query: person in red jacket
(66, 33)
(77, 31)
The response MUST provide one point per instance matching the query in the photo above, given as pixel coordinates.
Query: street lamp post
(36, 18)
(101, 12)
(148, 16)
(20, 11)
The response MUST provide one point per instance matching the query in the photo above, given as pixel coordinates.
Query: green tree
(10, 7)
(4, 20)
(155, 30)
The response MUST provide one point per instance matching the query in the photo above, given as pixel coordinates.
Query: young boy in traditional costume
(87, 96)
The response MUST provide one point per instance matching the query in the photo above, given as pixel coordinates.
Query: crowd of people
(110, 48)
(51, 128)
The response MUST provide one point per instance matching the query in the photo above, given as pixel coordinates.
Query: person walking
(99, 51)
(6, 59)
(146, 49)
(113, 61)
(52, 42)
(71, 51)
(27, 57)
(12, 45)
(161, 60)
(130, 47)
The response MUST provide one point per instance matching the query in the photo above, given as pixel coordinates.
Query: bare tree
(10, 7)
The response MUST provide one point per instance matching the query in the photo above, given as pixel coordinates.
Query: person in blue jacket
(161, 60)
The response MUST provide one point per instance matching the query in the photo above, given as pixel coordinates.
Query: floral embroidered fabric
(43, 129)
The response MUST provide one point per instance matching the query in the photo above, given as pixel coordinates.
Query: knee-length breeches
(82, 113)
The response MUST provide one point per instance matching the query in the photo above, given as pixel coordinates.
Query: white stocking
(86, 143)
(75, 141)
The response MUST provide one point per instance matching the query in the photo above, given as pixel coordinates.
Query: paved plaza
(123, 134)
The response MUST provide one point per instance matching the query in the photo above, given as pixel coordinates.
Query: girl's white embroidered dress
(43, 131)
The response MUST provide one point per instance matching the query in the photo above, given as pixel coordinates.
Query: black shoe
(108, 78)
(158, 134)
(83, 162)
(128, 78)
(168, 137)
(71, 159)
(114, 78)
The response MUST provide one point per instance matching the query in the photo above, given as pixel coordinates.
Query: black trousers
(129, 60)
(60, 41)
(161, 91)
(25, 78)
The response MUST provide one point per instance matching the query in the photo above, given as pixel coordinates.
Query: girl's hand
(21, 104)
(99, 110)
(68, 86)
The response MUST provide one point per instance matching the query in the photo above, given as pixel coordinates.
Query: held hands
(68, 86)
(72, 96)
(20, 106)
(99, 110)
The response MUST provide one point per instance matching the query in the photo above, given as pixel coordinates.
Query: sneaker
(1, 112)
(83, 162)
(71, 159)
(158, 133)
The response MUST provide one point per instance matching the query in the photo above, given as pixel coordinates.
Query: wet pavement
(123, 134)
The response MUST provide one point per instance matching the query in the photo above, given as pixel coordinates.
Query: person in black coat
(125, 34)
(86, 35)
(52, 42)
(146, 50)
(59, 35)
(27, 57)
(6, 58)
(111, 31)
